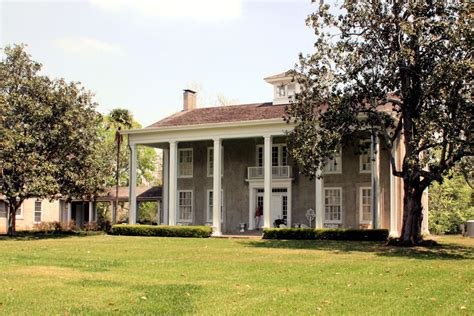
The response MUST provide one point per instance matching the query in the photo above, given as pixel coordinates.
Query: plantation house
(221, 163)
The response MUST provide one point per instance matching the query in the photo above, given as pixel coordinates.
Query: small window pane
(332, 202)
(185, 206)
(185, 160)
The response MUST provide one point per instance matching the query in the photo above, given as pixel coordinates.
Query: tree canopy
(400, 69)
(49, 135)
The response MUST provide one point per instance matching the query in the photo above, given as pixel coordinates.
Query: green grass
(111, 274)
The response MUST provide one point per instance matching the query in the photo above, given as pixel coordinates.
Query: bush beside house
(162, 231)
(326, 234)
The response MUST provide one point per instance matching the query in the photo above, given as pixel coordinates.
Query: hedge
(161, 231)
(326, 234)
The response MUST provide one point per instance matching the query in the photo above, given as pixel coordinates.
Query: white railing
(278, 172)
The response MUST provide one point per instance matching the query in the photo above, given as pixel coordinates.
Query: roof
(143, 193)
(223, 114)
(282, 75)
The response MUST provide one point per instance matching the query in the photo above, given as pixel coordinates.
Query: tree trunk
(11, 220)
(412, 214)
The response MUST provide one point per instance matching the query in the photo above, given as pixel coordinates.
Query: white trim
(361, 221)
(203, 126)
(40, 212)
(340, 205)
(132, 205)
(178, 213)
(180, 150)
(173, 184)
(210, 173)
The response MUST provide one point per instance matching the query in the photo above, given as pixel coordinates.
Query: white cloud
(87, 46)
(175, 9)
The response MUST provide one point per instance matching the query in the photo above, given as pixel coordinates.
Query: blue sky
(140, 54)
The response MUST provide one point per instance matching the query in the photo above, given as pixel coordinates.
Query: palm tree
(119, 119)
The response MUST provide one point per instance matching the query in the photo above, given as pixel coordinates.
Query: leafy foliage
(162, 231)
(451, 204)
(50, 138)
(326, 234)
(399, 69)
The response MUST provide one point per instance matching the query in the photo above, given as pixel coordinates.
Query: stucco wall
(49, 213)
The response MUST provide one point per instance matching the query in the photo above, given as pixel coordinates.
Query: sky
(141, 54)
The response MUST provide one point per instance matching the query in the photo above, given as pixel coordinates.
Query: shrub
(326, 234)
(92, 227)
(53, 227)
(162, 231)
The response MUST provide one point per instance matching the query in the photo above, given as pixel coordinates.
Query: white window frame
(19, 212)
(209, 218)
(280, 155)
(281, 87)
(210, 172)
(338, 159)
(361, 205)
(40, 212)
(178, 215)
(180, 175)
(3, 209)
(340, 205)
(361, 159)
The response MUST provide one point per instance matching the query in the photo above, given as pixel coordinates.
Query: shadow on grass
(446, 251)
(31, 235)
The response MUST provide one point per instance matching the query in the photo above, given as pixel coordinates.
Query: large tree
(399, 69)
(50, 138)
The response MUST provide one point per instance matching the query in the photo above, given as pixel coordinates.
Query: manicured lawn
(109, 274)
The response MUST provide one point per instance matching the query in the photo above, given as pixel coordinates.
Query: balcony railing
(278, 172)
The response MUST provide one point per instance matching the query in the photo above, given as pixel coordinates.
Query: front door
(277, 208)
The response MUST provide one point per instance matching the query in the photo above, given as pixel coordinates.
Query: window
(210, 205)
(279, 155)
(334, 165)
(185, 163)
(284, 210)
(3, 209)
(281, 91)
(365, 209)
(185, 206)
(332, 205)
(210, 161)
(291, 90)
(364, 158)
(19, 212)
(37, 211)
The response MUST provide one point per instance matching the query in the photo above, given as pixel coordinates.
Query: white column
(375, 162)
(393, 197)
(319, 201)
(132, 200)
(267, 166)
(217, 189)
(69, 212)
(173, 183)
(91, 207)
(165, 191)
(425, 203)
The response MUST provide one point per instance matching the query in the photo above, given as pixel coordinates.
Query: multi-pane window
(334, 165)
(210, 162)
(284, 209)
(185, 162)
(185, 206)
(332, 205)
(281, 91)
(3, 210)
(365, 209)
(37, 211)
(210, 205)
(364, 158)
(279, 155)
(19, 212)
(275, 156)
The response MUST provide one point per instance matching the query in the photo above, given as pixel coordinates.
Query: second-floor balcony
(278, 172)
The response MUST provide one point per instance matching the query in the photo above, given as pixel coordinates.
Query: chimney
(189, 100)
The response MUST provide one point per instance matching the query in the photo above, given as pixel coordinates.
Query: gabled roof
(223, 114)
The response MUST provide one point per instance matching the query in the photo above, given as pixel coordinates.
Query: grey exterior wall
(240, 154)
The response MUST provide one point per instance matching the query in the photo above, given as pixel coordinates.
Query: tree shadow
(30, 235)
(444, 251)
